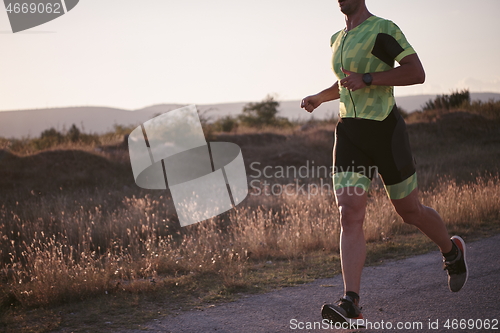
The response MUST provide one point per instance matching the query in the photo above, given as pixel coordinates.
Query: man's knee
(352, 211)
(351, 218)
(409, 208)
(411, 214)
(350, 222)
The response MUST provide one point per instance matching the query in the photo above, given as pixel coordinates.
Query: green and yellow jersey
(372, 46)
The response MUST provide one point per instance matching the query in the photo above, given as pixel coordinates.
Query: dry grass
(99, 235)
(71, 252)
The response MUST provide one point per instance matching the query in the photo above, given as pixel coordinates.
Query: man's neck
(355, 19)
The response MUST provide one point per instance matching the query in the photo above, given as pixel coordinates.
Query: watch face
(367, 79)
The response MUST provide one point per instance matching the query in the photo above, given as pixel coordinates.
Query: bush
(49, 138)
(262, 114)
(489, 109)
(456, 99)
(226, 124)
(123, 130)
(73, 133)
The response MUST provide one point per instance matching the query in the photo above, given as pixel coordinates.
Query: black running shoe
(457, 268)
(345, 311)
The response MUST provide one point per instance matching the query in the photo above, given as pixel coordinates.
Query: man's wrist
(367, 79)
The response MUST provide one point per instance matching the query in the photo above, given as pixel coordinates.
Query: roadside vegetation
(81, 244)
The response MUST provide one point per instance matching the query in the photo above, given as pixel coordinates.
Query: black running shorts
(364, 147)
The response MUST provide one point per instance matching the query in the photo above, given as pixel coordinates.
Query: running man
(371, 136)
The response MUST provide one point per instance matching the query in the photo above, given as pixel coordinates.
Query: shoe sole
(461, 244)
(328, 312)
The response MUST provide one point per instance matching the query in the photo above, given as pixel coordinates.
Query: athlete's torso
(372, 46)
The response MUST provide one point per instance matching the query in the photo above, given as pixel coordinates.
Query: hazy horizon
(209, 104)
(101, 119)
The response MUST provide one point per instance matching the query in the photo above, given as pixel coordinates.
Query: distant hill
(92, 119)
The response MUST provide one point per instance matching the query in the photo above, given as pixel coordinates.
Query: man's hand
(310, 103)
(353, 81)
(329, 94)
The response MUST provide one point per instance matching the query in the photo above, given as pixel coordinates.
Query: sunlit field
(74, 226)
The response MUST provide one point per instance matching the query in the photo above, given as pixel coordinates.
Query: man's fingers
(307, 106)
(343, 83)
(345, 71)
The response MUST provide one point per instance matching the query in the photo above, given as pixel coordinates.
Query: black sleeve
(386, 48)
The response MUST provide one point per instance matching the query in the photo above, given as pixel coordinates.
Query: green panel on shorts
(347, 179)
(403, 189)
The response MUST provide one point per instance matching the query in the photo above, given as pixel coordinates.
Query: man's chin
(345, 8)
(345, 11)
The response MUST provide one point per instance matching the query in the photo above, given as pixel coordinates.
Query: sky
(132, 54)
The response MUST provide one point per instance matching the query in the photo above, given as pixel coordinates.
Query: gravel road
(410, 294)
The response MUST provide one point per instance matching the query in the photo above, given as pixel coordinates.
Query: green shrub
(489, 109)
(263, 114)
(49, 138)
(73, 133)
(226, 124)
(456, 99)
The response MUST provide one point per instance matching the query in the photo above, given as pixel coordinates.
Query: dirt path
(410, 292)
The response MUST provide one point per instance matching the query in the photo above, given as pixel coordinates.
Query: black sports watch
(367, 79)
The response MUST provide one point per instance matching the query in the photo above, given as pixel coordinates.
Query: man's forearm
(410, 72)
(330, 94)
